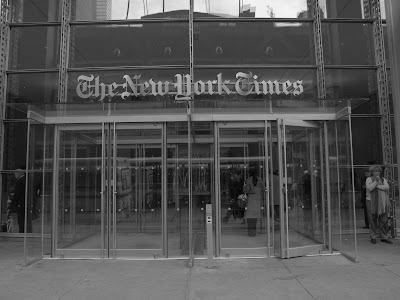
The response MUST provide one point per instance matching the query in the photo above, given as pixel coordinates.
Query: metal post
(210, 241)
(383, 97)
(393, 25)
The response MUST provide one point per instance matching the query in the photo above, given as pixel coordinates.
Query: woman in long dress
(254, 188)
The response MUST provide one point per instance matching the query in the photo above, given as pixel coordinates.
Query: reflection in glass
(15, 137)
(367, 149)
(351, 83)
(92, 10)
(252, 8)
(35, 11)
(342, 9)
(32, 88)
(146, 44)
(348, 44)
(34, 47)
(253, 43)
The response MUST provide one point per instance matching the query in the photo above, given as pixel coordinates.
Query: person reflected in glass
(254, 188)
(235, 189)
(18, 201)
(276, 194)
(377, 205)
(364, 199)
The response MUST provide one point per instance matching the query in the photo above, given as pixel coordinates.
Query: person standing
(254, 188)
(235, 189)
(377, 204)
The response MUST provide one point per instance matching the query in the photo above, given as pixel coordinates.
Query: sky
(281, 8)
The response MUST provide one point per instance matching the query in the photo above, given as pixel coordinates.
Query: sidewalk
(376, 276)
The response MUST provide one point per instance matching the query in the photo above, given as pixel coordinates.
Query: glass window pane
(342, 9)
(351, 83)
(91, 10)
(32, 88)
(348, 44)
(367, 149)
(251, 8)
(145, 44)
(15, 141)
(35, 11)
(253, 43)
(34, 47)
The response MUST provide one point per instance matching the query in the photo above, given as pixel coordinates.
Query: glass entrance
(245, 207)
(109, 191)
(141, 190)
(303, 205)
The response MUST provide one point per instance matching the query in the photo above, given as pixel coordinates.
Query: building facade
(134, 127)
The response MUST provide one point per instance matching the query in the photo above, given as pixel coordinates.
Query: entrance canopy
(177, 111)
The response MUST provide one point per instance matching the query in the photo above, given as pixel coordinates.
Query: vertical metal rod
(26, 191)
(164, 191)
(103, 188)
(281, 198)
(191, 254)
(353, 192)
(267, 186)
(43, 184)
(114, 194)
(56, 151)
(271, 189)
(338, 186)
(217, 172)
(109, 191)
(322, 185)
(286, 188)
(328, 187)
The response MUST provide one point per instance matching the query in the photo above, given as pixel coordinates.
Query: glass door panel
(302, 209)
(202, 179)
(138, 190)
(242, 157)
(78, 191)
(342, 198)
(177, 189)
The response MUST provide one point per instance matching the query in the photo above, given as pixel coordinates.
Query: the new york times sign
(245, 84)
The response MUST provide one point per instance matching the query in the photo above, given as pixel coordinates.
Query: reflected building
(133, 133)
(93, 10)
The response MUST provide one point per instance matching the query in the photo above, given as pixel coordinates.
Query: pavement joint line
(188, 282)
(297, 279)
(72, 287)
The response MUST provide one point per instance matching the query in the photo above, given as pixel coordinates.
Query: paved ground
(376, 276)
